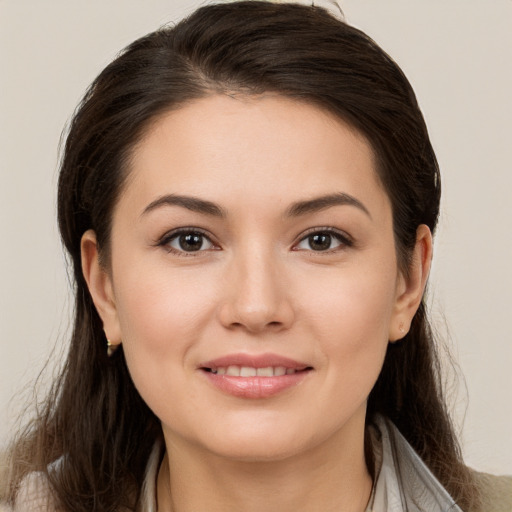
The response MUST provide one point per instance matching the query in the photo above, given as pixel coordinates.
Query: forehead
(264, 146)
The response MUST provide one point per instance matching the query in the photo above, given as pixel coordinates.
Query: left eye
(189, 241)
(322, 241)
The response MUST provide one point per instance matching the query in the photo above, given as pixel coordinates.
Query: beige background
(458, 55)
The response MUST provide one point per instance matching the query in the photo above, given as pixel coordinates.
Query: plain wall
(457, 54)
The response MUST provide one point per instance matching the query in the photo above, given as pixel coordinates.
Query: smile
(254, 376)
(250, 371)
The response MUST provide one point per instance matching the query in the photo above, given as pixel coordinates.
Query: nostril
(237, 315)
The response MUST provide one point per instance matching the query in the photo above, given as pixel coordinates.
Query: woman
(248, 200)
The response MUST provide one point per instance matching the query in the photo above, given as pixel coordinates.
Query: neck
(331, 477)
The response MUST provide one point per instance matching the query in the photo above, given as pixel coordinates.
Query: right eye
(189, 241)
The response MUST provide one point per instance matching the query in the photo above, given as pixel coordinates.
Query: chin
(258, 449)
(252, 440)
(265, 441)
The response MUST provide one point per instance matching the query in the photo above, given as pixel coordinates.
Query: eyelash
(343, 239)
(175, 234)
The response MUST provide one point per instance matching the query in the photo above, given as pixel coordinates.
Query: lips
(250, 371)
(254, 376)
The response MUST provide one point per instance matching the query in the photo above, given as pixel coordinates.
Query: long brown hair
(94, 423)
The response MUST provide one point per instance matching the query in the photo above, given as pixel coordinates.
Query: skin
(256, 286)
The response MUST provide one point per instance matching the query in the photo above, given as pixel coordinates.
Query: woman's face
(253, 282)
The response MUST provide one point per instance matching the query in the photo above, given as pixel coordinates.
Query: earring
(111, 348)
(401, 328)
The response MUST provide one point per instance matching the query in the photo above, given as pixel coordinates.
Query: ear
(100, 287)
(410, 288)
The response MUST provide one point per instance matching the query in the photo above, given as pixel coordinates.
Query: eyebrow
(295, 210)
(323, 202)
(190, 203)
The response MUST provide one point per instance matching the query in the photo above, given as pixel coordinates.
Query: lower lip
(255, 387)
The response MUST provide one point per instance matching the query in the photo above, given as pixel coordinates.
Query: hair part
(248, 48)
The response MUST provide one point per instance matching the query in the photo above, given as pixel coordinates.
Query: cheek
(350, 317)
(162, 315)
(353, 306)
(161, 312)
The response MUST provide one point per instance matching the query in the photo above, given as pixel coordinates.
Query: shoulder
(496, 492)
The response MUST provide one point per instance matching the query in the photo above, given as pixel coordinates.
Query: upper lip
(254, 361)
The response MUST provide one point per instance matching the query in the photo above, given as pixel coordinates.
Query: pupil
(191, 242)
(320, 241)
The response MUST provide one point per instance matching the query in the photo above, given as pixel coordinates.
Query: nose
(256, 297)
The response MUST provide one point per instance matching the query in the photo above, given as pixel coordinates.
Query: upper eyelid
(304, 234)
(173, 233)
(311, 231)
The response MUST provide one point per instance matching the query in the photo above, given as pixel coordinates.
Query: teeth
(249, 371)
(233, 370)
(265, 372)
